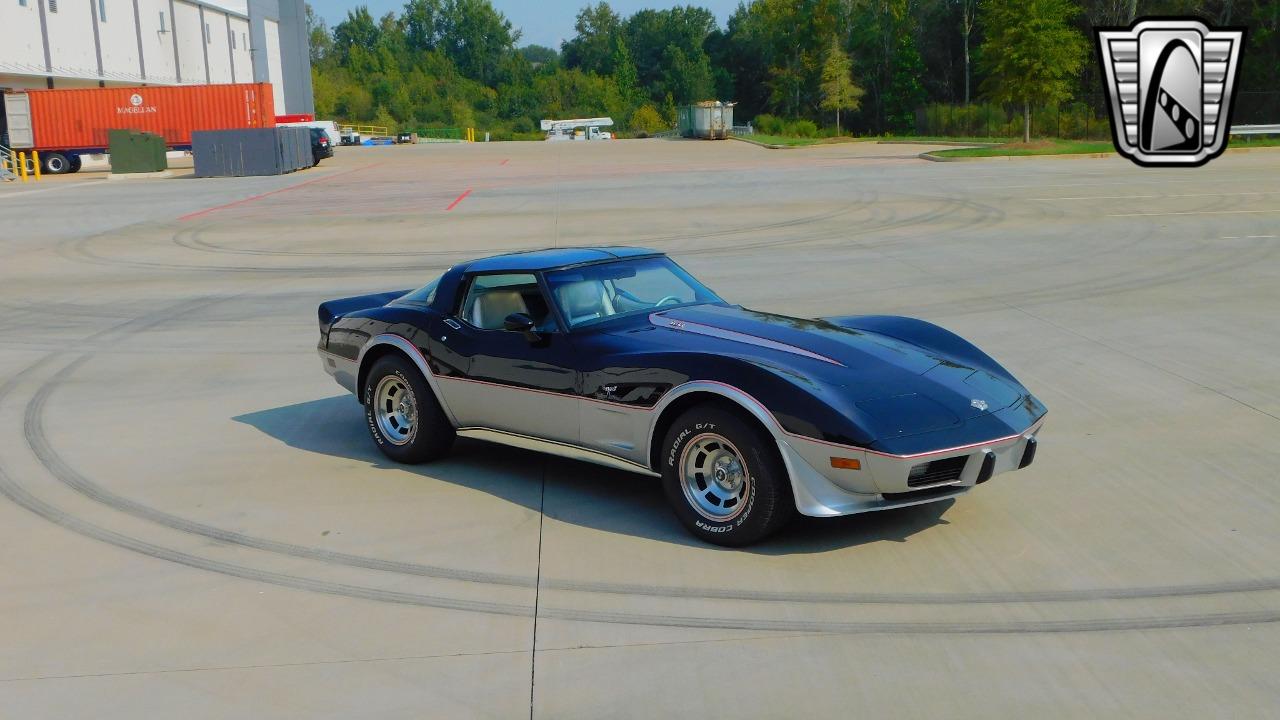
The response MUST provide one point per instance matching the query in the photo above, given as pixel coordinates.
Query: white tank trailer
(709, 120)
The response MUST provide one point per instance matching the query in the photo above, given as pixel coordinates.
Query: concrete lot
(196, 524)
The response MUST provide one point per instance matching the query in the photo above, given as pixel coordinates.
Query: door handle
(453, 323)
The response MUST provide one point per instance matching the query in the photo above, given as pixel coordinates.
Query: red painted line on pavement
(459, 199)
(505, 161)
(206, 211)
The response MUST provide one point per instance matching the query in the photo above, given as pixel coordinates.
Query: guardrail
(369, 130)
(1255, 130)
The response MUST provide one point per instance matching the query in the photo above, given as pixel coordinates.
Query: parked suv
(321, 148)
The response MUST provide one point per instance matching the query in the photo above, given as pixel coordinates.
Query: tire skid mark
(63, 472)
(78, 251)
(21, 497)
(944, 208)
(1169, 272)
(192, 239)
(33, 429)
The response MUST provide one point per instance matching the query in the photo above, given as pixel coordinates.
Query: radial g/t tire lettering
(724, 478)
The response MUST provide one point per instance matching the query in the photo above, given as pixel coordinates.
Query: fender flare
(415, 355)
(803, 494)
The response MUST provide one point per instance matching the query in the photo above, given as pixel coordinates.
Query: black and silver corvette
(618, 356)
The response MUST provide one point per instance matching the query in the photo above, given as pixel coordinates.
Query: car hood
(897, 388)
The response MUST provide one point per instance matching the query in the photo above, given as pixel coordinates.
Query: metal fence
(1255, 129)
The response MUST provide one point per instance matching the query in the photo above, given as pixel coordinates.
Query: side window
(491, 298)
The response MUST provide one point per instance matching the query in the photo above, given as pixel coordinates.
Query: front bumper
(885, 481)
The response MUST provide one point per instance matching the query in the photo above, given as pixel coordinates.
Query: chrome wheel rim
(714, 478)
(395, 408)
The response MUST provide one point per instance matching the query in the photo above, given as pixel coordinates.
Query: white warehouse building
(117, 43)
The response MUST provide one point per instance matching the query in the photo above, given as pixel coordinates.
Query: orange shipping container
(80, 119)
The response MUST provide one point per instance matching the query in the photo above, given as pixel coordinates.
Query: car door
(500, 379)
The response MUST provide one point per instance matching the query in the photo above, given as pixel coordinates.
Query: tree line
(863, 66)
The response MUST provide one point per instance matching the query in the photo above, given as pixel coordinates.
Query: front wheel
(724, 478)
(403, 415)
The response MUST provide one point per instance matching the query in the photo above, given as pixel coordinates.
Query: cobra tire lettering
(408, 387)
(751, 502)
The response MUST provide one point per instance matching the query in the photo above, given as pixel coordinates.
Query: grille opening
(937, 472)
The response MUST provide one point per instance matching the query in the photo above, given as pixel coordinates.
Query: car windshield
(594, 293)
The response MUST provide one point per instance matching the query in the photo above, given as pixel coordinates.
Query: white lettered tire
(403, 415)
(724, 478)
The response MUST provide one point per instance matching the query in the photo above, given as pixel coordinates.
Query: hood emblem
(978, 403)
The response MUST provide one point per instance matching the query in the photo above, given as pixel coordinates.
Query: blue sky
(545, 22)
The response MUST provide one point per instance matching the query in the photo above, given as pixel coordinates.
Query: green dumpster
(136, 152)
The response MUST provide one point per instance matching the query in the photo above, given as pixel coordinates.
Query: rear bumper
(885, 481)
(341, 369)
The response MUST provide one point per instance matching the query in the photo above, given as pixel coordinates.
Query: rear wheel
(403, 415)
(55, 163)
(76, 161)
(724, 478)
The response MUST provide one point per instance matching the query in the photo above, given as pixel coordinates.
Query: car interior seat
(489, 309)
(584, 300)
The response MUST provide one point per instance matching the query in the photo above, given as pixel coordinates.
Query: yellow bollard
(22, 165)
(35, 163)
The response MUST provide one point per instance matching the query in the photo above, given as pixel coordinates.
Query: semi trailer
(63, 125)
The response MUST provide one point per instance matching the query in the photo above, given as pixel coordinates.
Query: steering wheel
(668, 300)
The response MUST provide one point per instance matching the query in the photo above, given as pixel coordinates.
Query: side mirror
(521, 323)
